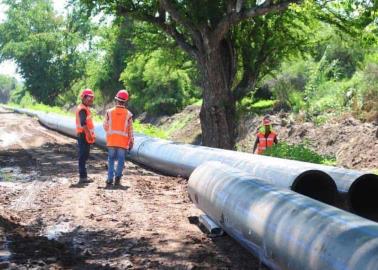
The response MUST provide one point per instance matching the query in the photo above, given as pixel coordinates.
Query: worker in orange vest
(85, 132)
(265, 137)
(118, 125)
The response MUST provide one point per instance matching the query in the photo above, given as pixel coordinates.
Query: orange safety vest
(265, 142)
(89, 123)
(118, 126)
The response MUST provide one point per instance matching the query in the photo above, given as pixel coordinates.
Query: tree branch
(235, 17)
(167, 28)
(178, 18)
(251, 70)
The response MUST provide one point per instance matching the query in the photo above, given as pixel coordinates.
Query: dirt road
(48, 222)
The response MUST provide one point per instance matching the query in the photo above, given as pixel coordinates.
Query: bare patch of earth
(352, 142)
(49, 222)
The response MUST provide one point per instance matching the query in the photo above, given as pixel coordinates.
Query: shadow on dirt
(238, 257)
(107, 249)
(50, 159)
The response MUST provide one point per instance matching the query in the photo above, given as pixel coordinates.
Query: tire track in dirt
(142, 225)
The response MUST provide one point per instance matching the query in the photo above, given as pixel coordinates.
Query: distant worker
(265, 136)
(118, 125)
(85, 132)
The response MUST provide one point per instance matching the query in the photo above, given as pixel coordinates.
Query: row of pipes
(251, 197)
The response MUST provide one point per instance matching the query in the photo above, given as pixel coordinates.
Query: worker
(265, 136)
(118, 124)
(85, 132)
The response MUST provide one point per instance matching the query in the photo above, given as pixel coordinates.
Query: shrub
(298, 152)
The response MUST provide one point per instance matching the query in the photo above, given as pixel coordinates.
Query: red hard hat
(122, 95)
(266, 121)
(87, 92)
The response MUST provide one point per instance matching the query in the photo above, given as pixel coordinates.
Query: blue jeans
(83, 148)
(115, 153)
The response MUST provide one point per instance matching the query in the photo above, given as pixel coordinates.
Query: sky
(9, 67)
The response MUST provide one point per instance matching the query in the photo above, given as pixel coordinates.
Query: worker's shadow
(79, 185)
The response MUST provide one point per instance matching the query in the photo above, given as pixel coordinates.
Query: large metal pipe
(313, 180)
(282, 228)
(358, 190)
(182, 159)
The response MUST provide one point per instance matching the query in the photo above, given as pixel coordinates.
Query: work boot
(83, 180)
(117, 181)
(109, 183)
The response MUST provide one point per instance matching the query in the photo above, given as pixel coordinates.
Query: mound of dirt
(185, 125)
(352, 142)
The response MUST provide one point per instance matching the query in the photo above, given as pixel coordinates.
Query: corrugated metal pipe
(284, 229)
(316, 181)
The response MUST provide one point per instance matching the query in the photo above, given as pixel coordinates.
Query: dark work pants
(83, 148)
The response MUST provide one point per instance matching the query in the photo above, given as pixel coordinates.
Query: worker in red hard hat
(118, 125)
(265, 136)
(85, 132)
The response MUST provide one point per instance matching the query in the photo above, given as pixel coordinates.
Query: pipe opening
(317, 185)
(363, 196)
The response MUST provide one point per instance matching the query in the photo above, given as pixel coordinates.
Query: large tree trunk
(217, 114)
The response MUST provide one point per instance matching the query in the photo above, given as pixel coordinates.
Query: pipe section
(316, 181)
(182, 159)
(284, 229)
(358, 190)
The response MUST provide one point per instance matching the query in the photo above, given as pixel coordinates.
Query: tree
(218, 37)
(7, 85)
(161, 81)
(44, 46)
(117, 46)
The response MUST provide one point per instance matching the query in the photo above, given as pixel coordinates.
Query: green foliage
(159, 82)
(146, 129)
(116, 45)
(362, 95)
(264, 42)
(298, 152)
(7, 86)
(5, 176)
(263, 104)
(296, 101)
(178, 124)
(248, 106)
(44, 46)
(150, 130)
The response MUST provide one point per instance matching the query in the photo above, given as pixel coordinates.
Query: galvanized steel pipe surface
(313, 180)
(286, 230)
(360, 189)
(182, 159)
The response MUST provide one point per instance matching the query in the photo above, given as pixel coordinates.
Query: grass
(248, 105)
(150, 130)
(198, 102)
(5, 177)
(43, 108)
(262, 104)
(298, 152)
(146, 129)
(178, 124)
